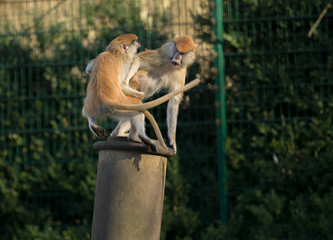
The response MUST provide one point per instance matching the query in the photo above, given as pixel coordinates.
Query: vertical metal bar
(221, 110)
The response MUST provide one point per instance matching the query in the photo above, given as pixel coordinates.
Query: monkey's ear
(177, 35)
(124, 47)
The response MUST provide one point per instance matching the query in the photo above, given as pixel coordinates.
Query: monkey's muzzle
(175, 64)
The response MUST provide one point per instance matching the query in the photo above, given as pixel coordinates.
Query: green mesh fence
(274, 71)
(278, 85)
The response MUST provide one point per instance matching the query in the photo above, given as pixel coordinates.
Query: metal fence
(275, 75)
(269, 61)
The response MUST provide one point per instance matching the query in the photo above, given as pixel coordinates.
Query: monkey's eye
(181, 53)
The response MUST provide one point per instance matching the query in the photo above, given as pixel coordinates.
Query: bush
(279, 109)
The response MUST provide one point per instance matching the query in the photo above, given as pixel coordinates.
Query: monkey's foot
(99, 131)
(134, 139)
(156, 147)
(149, 142)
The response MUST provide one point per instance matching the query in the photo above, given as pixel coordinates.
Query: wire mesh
(270, 60)
(275, 74)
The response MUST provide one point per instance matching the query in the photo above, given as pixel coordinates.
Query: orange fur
(103, 88)
(184, 44)
(126, 39)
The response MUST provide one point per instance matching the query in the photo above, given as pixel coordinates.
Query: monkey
(122, 74)
(103, 85)
(153, 70)
(104, 90)
(163, 68)
(105, 97)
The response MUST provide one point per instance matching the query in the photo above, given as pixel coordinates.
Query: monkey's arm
(173, 107)
(128, 91)
(172, 114)
(90, 66)
(133, 69)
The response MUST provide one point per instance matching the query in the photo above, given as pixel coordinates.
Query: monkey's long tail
(156, 128)
(156, 102)
(144, 106)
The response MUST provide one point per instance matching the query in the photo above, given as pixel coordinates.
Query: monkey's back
(150, 60)
(103, 88)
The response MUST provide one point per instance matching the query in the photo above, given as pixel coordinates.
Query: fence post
(221, 110)
(129, 192)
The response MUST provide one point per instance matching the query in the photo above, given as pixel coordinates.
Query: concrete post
(129, 192)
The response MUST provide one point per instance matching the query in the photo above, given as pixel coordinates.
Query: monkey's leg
(137, 128)
(133, 120)
(96, 130)
(122, 127)
(138, 132)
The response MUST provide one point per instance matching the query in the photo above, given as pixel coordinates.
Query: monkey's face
(182, 59)
(176, 59)
(182, 52)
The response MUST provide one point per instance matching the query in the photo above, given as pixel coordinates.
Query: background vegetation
(279, 109)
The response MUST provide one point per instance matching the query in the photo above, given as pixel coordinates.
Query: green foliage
(279, 109)
(288, 188)
(179, 221)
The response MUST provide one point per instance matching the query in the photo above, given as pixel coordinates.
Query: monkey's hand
(132, 92)
(139, 95)
(173, 146)
(170, 153)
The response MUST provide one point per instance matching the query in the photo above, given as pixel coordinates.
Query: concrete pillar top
(121, 143)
